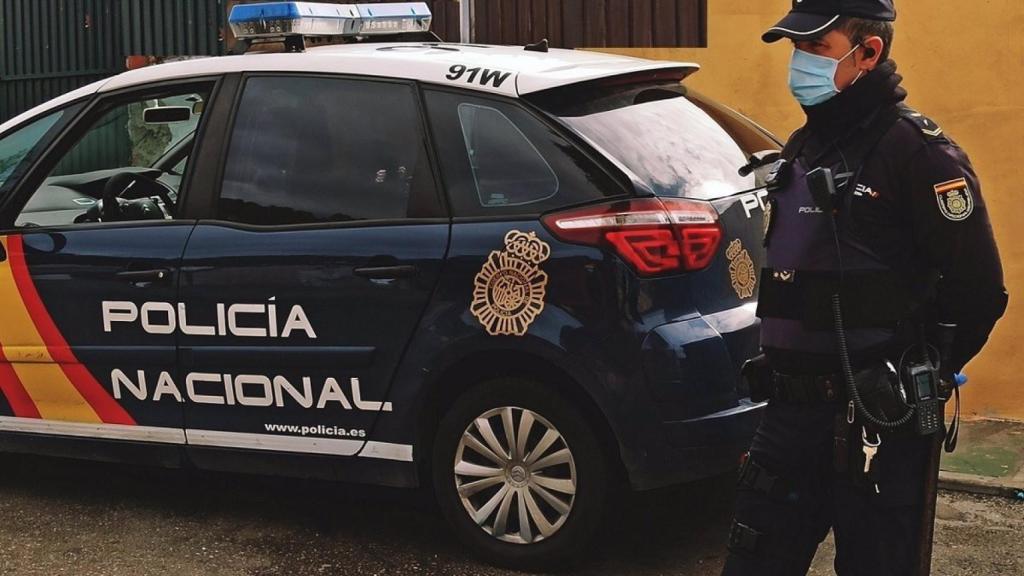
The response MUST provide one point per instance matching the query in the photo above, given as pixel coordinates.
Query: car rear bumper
(687, 450)
(696, 421)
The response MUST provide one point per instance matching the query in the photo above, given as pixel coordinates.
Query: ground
(989, 449)
(67, 517)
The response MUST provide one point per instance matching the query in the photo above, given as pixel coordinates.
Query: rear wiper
(757, 161)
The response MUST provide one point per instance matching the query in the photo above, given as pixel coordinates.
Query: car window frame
(439, 199)
(10, 188)
(629, 186)
(94, 107)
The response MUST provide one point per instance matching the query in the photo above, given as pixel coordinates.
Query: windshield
(675, 141)
(15, 146)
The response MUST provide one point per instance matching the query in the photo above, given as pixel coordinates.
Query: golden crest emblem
(741, 270)
(508, 292)
(955, 200)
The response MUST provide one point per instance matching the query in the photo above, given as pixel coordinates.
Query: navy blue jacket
(916, 201)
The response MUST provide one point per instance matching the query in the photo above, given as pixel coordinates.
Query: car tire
(564, 491)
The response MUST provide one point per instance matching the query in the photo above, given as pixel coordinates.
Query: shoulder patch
(927, 127)
(955, 200)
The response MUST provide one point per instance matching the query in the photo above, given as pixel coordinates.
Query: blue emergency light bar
(277, 20)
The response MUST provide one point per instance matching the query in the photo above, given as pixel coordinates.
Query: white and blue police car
(524, 276)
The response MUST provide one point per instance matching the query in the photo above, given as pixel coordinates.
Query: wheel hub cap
(516, 475)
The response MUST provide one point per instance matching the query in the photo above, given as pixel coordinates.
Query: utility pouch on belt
(879, 389)
(757, 376)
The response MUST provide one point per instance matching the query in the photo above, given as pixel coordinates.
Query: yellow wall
(963, 64)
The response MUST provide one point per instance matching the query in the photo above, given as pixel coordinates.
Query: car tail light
(654, 235)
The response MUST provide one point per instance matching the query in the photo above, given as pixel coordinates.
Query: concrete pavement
(988, 460)
(91, 519)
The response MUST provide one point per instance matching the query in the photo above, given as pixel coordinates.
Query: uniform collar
(838, 116)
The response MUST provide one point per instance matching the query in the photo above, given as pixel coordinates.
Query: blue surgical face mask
(812, 78)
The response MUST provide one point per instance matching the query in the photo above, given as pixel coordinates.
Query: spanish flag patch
(955, 200)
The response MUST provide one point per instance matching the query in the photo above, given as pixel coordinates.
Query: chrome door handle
(386, 272)
(144, 275)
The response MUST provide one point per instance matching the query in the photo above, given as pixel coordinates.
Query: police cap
(811, 19)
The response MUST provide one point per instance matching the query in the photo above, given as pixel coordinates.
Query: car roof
(527, 71)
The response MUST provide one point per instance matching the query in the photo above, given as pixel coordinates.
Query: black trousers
(876, 530)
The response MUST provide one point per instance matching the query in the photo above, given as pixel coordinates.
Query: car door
(305, 284)
(88, 319)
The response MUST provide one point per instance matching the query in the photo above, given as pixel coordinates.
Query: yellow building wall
(963, 64)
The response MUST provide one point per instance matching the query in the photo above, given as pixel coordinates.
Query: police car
(524, 276)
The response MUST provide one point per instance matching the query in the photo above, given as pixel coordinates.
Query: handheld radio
(923, 393)
(924, 388)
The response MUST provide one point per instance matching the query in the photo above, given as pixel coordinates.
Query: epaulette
(927, 126)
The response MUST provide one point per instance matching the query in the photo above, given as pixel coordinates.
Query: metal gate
(50, 47)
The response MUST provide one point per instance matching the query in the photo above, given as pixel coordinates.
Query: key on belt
(870, 449)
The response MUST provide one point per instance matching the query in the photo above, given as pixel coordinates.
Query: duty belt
(806, 389)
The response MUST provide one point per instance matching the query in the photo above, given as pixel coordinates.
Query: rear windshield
(676, 141)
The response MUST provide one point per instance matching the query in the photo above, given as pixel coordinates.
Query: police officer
(902, 250)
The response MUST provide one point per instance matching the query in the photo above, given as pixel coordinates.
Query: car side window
(507, 168)
(108, 171)
(309, 150)
(498, 159)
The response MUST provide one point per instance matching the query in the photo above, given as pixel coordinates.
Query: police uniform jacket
(912, 196)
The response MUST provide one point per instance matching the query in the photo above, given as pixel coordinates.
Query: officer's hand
(947, 380)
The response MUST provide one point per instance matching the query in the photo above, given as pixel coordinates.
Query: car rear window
(677, 142)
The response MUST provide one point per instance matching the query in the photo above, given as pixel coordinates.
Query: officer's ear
(872, 53)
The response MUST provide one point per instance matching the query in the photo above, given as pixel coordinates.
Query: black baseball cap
(811, 19)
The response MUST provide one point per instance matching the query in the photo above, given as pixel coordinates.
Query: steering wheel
(135, 187)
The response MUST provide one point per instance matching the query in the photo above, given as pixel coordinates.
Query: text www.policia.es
(317, 430)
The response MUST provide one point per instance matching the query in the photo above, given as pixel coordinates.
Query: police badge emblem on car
(741, 269)
(508, 292)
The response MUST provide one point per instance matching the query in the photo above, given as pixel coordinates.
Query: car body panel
(653, 362)
(65, 365)
(341, 361)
